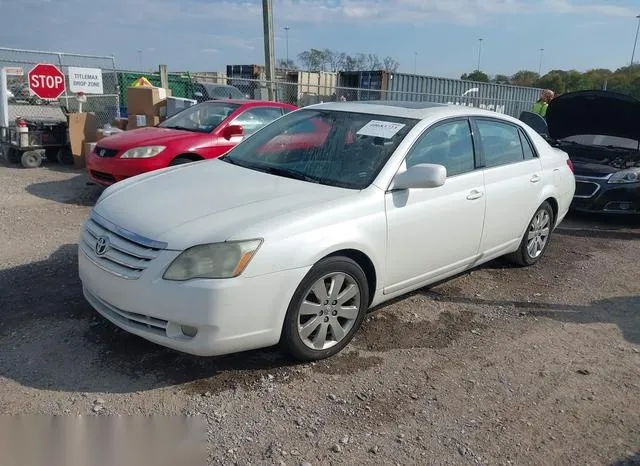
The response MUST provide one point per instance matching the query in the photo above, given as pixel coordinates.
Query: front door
(437, 231)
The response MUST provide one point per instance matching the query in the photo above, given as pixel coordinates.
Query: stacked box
(146, 105)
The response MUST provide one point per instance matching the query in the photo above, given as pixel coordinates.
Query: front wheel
(536, 239)
(326, 310)
(31, 159)
(180, 161)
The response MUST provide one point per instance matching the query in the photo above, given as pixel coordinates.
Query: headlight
(142, 152)
(216, 260)
(630, 175)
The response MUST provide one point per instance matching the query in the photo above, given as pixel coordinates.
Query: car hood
(207, 201)
(594, 112)
(145, 136)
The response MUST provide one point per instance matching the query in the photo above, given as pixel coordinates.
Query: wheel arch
(365, 262)
(193, 156)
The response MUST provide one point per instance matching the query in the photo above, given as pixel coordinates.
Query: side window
(255, 118)
(500, 142)
(449, 144)
(526, 146)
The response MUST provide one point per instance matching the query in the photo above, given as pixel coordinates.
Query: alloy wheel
(538, 234)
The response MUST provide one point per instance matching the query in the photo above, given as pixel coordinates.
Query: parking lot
(498, 366)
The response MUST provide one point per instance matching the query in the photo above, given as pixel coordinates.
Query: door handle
(535, 178)
(475, 194)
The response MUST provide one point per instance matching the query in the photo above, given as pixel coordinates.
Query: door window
(500, 143)
(255, 118)
(449, 144)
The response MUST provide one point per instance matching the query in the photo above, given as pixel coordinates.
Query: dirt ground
(500, 365)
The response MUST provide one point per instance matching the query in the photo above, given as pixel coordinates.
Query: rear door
(513, 181)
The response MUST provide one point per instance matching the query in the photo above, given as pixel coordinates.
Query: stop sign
(46, 81)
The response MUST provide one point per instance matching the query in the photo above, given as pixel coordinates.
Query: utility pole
(540, 65)
(633, 54)
(479, 52)
(286, 33)
(269, 57)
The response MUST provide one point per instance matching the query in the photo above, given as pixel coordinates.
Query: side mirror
(232, 131)
(421, 176)
(536, 122)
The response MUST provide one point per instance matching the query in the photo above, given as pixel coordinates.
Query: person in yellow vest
(540, 107)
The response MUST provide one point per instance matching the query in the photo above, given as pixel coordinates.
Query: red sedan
(204, 131)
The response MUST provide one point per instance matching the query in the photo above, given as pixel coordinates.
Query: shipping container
(209, 77)
(381, 85)
(305, 88)
(252, 81)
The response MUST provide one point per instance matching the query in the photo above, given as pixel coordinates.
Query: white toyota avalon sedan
(331, 209)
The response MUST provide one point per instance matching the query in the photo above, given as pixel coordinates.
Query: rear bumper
(596, 195)
(109, 170)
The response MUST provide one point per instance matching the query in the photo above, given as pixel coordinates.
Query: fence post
(4, 100)
(117, 86)
(66, 96)
(164, 76)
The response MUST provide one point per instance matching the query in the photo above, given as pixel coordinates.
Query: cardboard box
(120, 123)
(88, 148)
(142, 121)
(146, 100)
(82, 129)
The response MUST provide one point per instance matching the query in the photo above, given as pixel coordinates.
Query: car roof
(417, 110)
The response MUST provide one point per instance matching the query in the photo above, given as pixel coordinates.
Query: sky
(434, 37)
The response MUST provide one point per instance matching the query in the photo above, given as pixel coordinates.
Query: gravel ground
(498, 366)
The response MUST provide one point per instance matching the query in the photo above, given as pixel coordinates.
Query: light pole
(286, 35)
(140, 60)
(479, 52)
(635, 42)
(540, 65)
(415, 62)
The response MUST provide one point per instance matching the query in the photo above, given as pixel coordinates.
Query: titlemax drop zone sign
(85, 80)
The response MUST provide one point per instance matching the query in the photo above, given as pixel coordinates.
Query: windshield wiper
(183, 128)
(287, 172)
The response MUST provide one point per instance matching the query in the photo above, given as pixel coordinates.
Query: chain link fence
(507, 99)
(22, 103)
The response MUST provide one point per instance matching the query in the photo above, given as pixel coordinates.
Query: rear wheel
(65, 156)
(326, 310)
(536, 239)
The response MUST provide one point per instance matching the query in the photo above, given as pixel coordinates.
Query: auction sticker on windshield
(380, 129)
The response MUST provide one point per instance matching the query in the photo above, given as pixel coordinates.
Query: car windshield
(606, 141)
(203, 117)
(335, 148)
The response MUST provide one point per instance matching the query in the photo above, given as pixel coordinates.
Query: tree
(477, 76)
(525, 78)
(502, 79)
(286, 64)
(390, 64)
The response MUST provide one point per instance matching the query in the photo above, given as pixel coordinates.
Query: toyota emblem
(102, 245)
(102, 152)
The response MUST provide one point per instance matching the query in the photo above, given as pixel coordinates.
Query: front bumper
(230, 315)
(109, 170)
(596, 195)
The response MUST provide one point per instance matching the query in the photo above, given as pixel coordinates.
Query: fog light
(189, 331)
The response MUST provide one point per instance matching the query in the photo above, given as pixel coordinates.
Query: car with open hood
(600, 130)
(317, 217)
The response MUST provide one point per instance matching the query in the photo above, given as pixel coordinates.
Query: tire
(302, 334)
(65, 156)
(541, 226)
(180, 161)
(51, 155)
(13, 155)
(31, 159)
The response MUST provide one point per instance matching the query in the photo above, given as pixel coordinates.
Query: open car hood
(594, 112)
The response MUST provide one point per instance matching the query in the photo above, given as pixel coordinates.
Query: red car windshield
(201, 118)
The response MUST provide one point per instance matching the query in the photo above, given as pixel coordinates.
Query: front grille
(132, 319)
(586, 189)
(118, 253)
(104, 152)
(103, 176)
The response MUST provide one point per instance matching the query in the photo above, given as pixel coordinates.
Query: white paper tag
(162, 93)
(141, 120)
(380, 129)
